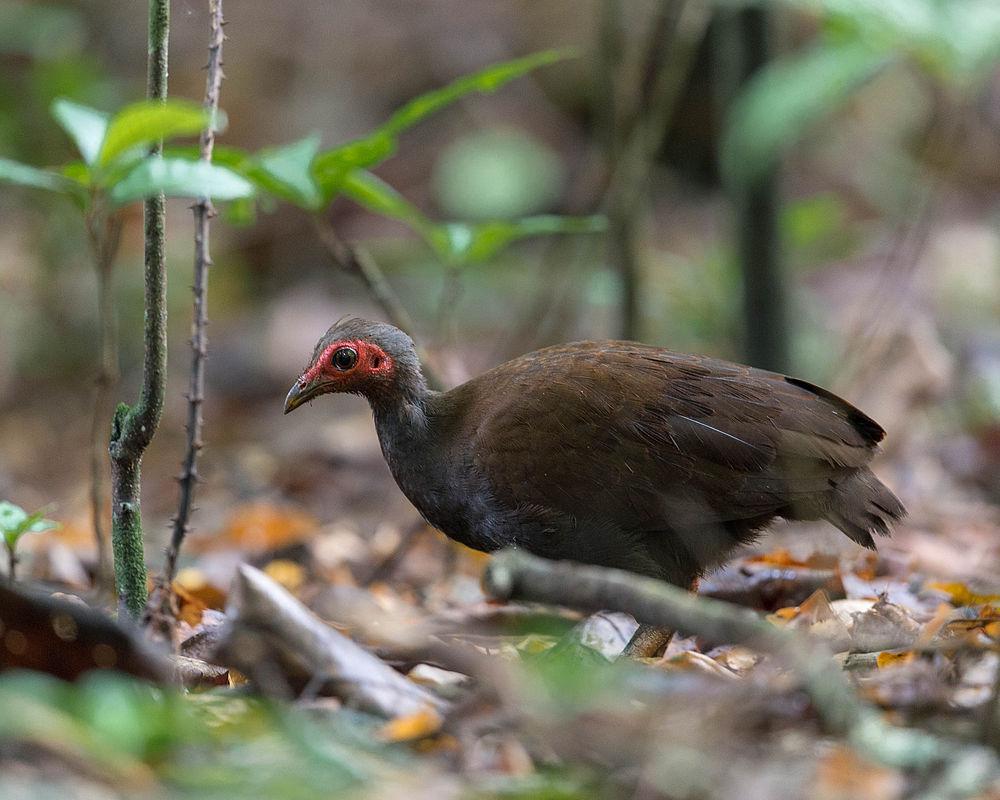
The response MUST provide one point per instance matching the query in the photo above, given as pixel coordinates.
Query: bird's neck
(402, 420)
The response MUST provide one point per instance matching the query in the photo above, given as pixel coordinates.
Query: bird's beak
(301, 393)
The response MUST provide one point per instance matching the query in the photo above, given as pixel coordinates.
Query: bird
(610, 453)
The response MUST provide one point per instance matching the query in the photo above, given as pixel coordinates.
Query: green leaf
(78, 172)
(460, 242)
(486, 80)
(223, 155)
(287, 172)
(12, 517)
(148, 122)
(332, 166)
(241, 213)
(956, 41)
(785, 98)
(177, 177)
(475, 242)
(15, 522)
(23, 175)
(86, 126)
(376, 195)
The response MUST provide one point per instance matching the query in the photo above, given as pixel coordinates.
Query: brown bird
(610, 453)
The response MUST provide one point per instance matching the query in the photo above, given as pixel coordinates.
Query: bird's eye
(344, 358)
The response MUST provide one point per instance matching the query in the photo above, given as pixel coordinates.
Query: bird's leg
(648, 641)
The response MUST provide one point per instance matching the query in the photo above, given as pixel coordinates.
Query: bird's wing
(649, 437)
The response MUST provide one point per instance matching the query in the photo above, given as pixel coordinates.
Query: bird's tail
(863, 505)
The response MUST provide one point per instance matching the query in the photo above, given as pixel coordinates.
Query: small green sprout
(14, 523)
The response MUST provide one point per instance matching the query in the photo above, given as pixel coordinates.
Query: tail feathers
(862, 505)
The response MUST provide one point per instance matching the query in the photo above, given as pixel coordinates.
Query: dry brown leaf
(885, 626)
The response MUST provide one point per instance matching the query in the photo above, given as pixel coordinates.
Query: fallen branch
(954, 768)
(280, 645)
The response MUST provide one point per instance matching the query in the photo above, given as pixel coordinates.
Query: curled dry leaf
(692, 660)
(885, 626)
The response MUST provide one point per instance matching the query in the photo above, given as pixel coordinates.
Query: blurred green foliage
(955, 43)
(136, 735)
(115, 166)
(15, 522)
(141, 739)
(310, 178)
(496, 174)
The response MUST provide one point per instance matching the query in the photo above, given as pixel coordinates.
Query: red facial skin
(373, 366)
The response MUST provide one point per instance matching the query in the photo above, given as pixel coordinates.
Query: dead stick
(281, 645)
(203, 213)
(515, 575)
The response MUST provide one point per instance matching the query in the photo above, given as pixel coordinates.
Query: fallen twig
(953, 769)
(279, 644)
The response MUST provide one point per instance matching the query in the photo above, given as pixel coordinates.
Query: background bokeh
(887, 221)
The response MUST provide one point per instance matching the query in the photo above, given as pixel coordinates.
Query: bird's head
(358, 356)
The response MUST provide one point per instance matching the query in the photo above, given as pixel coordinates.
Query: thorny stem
(133, 428)
(104, 233)
(203, 213)
(359, 262)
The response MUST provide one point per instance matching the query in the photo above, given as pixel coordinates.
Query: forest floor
(265, 698)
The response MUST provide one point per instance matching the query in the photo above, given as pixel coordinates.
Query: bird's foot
(648, 641)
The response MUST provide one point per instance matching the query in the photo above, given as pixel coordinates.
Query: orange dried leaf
(777, 558)
(287, 573)
(260, 528)
(962, 595)
(190, 608)
(789, 612)
(196, 584)
(894, 659)
(420, 725)
(842, 773)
